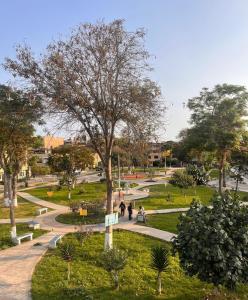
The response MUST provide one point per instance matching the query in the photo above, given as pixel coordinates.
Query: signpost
(83, 212)
(111, 219)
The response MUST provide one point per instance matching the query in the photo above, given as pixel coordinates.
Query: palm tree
(67, 252)
(159, 263)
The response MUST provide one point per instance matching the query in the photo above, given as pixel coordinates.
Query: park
(100, 197)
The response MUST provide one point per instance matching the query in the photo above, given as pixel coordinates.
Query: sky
(194, 43)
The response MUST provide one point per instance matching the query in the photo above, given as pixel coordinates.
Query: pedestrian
(130, 211)
(123, 208)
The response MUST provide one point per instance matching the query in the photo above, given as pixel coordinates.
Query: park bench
(34, 225)
(41, 210)
(17, 239)
(54, 240)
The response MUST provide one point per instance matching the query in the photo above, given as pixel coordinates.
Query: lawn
(167, 222)
(92, 192)
(178, 198)
(76, 219)
(138, 280)
(5, 241)
(25, 209)
(159, 199)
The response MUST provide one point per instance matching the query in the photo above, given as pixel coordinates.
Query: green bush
(40, 170)
(199, 174)
(182, 179)
(212, 242)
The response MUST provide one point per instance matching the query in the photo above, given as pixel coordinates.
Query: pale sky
(196, 43)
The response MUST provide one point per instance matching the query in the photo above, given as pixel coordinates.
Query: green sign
(111, 219)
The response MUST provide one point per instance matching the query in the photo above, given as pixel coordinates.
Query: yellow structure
(21, 175)
(50, 142)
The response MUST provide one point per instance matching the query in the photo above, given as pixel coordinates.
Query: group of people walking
(122, 207)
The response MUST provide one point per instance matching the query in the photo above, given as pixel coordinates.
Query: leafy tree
(98, 79)
(239, 166)
(68, 159)
(212, 242)
(159, 263)
(67, 253)
(219, 123)
(19, 110)
(113, 261)
(182, 179)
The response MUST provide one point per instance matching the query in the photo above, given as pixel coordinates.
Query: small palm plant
(113, 261)
(67, 252)
(159, 263)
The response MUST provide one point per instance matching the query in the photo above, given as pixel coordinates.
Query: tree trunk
(237, 186)
(6, 194)
(109, 230)
(68, 271)
(224, 176)
(14, 190)
(159, 284)
(116, 279)
(11, 206)
(221, 168)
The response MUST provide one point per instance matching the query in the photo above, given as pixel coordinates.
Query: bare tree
(97, 77)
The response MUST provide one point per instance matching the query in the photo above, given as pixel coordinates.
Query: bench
(54, 240)
(146, 190)
(34, 225)
(41, 210)
(17, 239)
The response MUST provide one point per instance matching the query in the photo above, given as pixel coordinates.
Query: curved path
(17, 263)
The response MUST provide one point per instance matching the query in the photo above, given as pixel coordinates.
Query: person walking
(130, 211)
(123, 208)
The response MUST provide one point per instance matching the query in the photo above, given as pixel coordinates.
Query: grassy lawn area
(5, 241)
(167, 222)
(24, 209)
(76, 219)
(137, 280)
(92, 192)
(158, 198)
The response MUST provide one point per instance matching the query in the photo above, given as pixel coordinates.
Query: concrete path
(18, 220)
(16, 268)
(40, 202)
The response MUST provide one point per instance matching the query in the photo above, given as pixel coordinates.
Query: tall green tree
(219, 123)
(97, 78)
(68, 159)
(19, 110)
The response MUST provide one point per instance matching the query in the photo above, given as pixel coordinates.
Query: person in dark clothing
(123, 208)
(130, 211)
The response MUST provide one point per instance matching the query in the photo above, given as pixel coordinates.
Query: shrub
(182, 179)
(212, 242)
(67, 252)
(40, 170)
(199, 174)
(113, 261)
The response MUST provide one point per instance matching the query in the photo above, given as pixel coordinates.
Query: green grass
(76, 219)
(137, 280)
(5, 240)
(179, 198)
(166, 222)
(214, 174)
(25, 209)
(92, 192)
